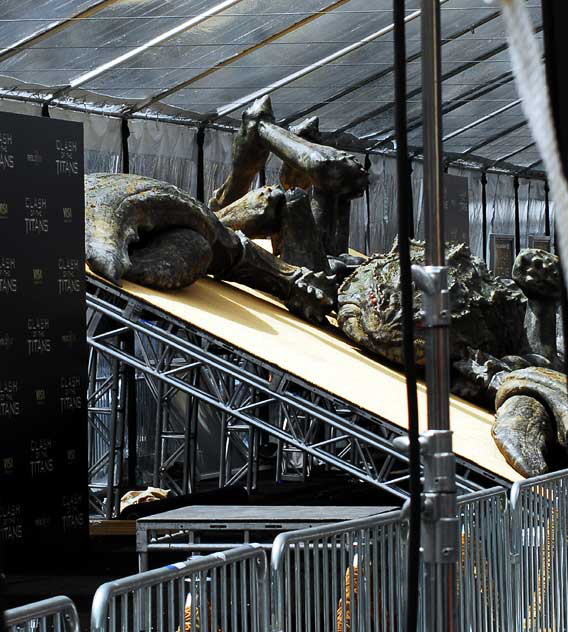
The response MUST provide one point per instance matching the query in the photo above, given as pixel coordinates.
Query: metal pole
(546, 209)
(517, 216)
(439, 524)
(484, 212)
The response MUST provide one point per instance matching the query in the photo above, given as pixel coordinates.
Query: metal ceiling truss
(514, 153)
(248, 395)
(135, 52)
(388, 134)
(53, 28)
(417, 91)
(324, 61)
(381, 74)
(233, 58)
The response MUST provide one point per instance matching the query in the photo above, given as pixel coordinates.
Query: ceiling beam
(158, 96)
(382, 73)
(280, 83)
(417, 91)
(135, 52)
(514, 153)
(53, 28)
(481, 120)
(494, 137)
(387, 134)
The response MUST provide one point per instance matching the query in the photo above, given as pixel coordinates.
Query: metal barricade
(223, 592)
(484, 578)
(539, 547)
(57, 614)
(340, 578)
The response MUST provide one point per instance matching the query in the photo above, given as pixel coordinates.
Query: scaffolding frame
(250, 396)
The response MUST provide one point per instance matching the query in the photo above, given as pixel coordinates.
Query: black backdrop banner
(43, 353)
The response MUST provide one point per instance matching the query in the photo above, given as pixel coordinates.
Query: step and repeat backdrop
(43, 353)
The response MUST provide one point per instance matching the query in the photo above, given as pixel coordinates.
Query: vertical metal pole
(546, 209)
(200, 140)
(440, 525)
(517, 216)
(484, 212)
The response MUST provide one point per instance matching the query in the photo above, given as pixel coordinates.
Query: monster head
(487, 313)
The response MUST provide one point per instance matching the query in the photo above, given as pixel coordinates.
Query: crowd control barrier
(539, 552)
(57, 614)
(342, 578)
(223, 592)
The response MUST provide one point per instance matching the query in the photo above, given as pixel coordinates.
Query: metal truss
(250, 399)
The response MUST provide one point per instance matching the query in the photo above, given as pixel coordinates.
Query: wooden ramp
(261, 326)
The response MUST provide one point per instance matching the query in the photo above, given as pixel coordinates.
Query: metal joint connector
(433, 282)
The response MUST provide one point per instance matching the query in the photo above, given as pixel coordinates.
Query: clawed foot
(313, 295)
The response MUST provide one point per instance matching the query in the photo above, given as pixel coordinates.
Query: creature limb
(327, 168)
(310, 295)
(171, 259)
(536, 272)
(249, 156)
(300, 240)
(258, 214)
(523, 443)
(332, 214)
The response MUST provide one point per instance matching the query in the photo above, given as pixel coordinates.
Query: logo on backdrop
(73, 516)
(41, 456)
(8, 281)
(70, 394)
(38, 341)
(66, 163)
(35, 220)
(11, 527)
(68, 283)
(67, 215)
(34, 158)
(10, 404)
(6, 342)
(3, 210)
(6, 157)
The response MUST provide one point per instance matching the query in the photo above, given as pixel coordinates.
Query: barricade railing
(484, 577)
(539, 550)
(57, 614)
(223, 592)
(340, 578)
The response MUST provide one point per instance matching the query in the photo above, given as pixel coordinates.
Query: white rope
(530, 77)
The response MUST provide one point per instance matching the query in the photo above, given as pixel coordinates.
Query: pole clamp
(433, 282)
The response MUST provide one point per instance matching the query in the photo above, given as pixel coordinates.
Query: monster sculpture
(502, 342)
(503, 334)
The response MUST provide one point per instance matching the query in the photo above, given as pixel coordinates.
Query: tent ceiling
(204, 60)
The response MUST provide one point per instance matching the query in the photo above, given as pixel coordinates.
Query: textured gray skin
(537, 273)
(486, 313)
(531, 421)
(119, 209)
(487, 339)
(155, 234)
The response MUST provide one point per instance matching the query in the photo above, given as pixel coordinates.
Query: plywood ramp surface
(264, 328)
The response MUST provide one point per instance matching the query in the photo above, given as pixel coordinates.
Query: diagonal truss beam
(158, 96)
(383, 73)
(481, 120)
(135, 52)
(53, 28)
(494, 137)
(257, 94)
(387, 134)
(417, 91)
(514, 153)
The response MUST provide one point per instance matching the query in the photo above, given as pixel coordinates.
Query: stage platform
(210, 528)
(248, 327)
